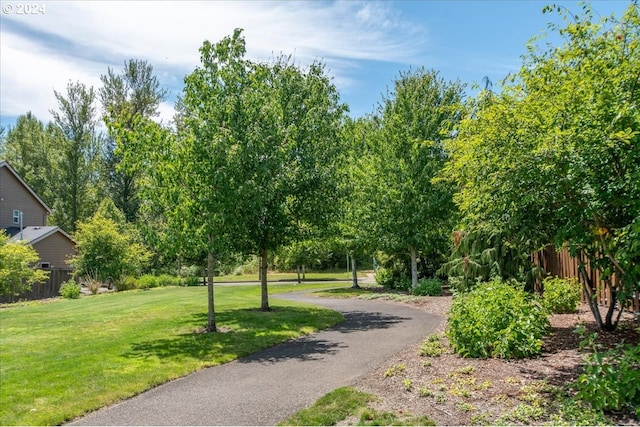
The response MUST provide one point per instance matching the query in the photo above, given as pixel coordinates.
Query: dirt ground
(460, 391)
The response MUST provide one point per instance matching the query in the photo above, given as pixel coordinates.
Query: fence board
(47, 289)
(563, 265)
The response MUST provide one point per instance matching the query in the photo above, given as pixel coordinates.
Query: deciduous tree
(18, 270)
(553, 158)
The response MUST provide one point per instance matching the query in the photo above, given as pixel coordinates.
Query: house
(23, 215)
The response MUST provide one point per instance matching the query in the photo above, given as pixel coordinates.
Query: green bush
(611, 378)
(561, 295)
(192, 281)
(428, 287)
(147, 281)
(385, 277)
(497, 320)
(168, 280)
(126, 284)
(70, 289)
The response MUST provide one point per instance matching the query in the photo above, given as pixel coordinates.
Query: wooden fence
(47, 289)
(564, 266)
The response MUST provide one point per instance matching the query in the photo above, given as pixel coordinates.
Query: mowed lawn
(61, 359)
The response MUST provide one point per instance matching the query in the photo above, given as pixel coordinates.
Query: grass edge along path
(62, 359)
(348, 402)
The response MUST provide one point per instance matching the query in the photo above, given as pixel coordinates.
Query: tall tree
(412, 213)
(80, 151)
(204, 164)
(354, 229)
(290, 150)
(553, 158)
(30, 149)
(127, 99)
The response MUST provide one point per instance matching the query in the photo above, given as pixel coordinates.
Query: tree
(554, 157)
(17, 271)
(127, 100)
(200, 174)
(412, 212)
(354, 228)
(289, 150)
(31, 150)
(80, 148)
(104, 252)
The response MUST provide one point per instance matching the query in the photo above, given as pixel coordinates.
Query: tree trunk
(211, 318)
(298, 270)
(414, 268)
(304, 272)
(587, 287)
(263, 280)
(354, 273)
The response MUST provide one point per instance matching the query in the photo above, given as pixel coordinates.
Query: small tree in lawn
(17, 267)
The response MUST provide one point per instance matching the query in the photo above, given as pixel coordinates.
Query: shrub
(147, 281)
(611, 378)
(385, 277)
(192, 281)
(168, 280)
(126, 284)
(428, 287)
(561, 295)
(70, 289)
(497, 320)
(92, 284)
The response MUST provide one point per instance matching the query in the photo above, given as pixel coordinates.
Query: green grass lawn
(61, 359)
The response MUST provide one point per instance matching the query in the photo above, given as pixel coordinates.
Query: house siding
(56, 250)
(13, 196)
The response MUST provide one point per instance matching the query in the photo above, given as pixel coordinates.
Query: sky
(365, 45)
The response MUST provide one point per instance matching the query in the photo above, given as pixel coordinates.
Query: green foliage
(610, 378)
(385, 277)
(497, 320)
(147, 281)
(70, 289)
(432, 346)
(553, 158)
(407, 211)
(561, 295)
(105, 253)
(428, 287)
(128, 100)
(479, 255)
(79, 156)
(17, 267)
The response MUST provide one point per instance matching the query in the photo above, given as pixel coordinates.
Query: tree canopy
(553, 158)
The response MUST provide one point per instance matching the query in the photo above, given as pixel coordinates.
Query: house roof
(33, 235)
(3, 163)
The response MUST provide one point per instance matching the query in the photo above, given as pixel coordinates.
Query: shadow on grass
(246, 331)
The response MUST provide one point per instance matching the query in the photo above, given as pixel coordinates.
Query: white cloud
(78, 40)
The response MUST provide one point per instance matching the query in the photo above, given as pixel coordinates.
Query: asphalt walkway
(268, 386)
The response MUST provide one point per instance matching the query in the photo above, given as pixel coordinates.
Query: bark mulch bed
(453, 390)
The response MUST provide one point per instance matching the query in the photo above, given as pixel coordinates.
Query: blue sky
(365, 45)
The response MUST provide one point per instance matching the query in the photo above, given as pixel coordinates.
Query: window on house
(16, 216)
(45, 265)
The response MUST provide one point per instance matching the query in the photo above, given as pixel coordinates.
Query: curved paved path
(268, 386)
